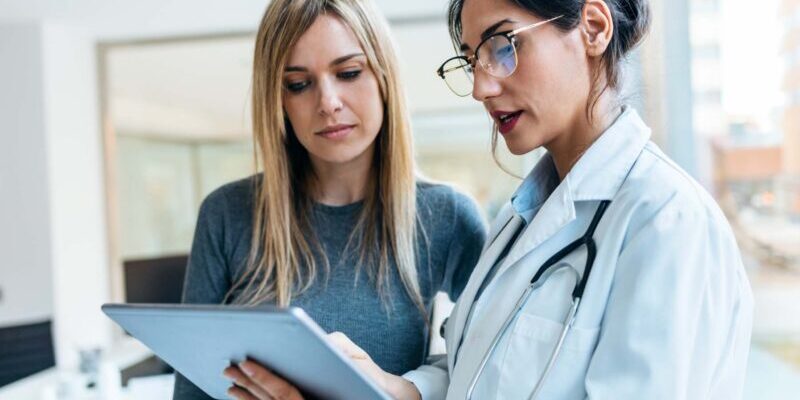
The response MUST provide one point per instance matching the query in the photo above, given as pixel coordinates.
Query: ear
(597, 27)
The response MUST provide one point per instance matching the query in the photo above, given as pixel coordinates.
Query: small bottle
(110, 381)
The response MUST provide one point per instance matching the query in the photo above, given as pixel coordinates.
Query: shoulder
(659, 193)
(674, 227)
(445, 200)
(449, 214)
(230, 202)
(232, 193)
(433, 194)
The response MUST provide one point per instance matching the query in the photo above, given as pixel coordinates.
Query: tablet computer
(200, 341)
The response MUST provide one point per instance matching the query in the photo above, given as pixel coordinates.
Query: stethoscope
(538, 280)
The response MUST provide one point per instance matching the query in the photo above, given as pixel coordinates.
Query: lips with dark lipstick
(506, 120)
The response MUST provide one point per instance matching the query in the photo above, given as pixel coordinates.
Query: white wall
(53, 240)
(77, 197)
(25, 272)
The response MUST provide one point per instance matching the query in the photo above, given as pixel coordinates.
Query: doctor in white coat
(666, 311)
(611, 274)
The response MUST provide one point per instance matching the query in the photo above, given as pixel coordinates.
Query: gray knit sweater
(395, 336)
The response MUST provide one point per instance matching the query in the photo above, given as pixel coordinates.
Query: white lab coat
(667, 310)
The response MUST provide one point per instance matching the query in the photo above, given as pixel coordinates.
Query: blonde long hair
(387, 226)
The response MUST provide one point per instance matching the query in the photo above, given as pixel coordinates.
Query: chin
(516, 148)
(337, 158)
(518, 151)
(340, 155)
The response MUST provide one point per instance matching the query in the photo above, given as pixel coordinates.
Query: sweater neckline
(346, 209)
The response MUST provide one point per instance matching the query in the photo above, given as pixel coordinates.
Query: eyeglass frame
(510, 35)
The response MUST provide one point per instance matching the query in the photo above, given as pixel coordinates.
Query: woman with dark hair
(611, 274)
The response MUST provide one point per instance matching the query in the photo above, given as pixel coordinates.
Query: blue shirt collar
(535, 189)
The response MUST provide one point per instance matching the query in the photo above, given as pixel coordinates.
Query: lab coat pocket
(529, 346)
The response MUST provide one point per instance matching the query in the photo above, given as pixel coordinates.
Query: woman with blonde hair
(337, 222)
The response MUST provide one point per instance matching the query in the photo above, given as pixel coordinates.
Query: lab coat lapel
(556, 212)
(503, 218)
(459, 315)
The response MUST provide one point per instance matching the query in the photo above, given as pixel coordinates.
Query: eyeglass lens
(496, 55)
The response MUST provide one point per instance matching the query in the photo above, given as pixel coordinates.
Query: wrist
(400, 388)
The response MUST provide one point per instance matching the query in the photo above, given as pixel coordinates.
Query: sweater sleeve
(466, 242)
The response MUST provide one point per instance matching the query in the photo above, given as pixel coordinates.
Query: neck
(338, 184)
(570, 145)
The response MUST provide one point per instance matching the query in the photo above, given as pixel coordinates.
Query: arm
(466, 243)
(671, 312)
(208, 277)
(430, 380)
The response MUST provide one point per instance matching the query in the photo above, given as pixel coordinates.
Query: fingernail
(246, 368)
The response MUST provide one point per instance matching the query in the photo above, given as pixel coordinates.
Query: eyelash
(298, 87)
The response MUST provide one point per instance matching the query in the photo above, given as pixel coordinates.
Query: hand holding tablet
(202, 341)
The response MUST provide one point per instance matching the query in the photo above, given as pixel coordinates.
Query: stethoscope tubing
(591, 247)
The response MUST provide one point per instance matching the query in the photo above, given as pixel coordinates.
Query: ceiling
(126, 19)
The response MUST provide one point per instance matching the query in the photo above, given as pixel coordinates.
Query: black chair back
(25, 350)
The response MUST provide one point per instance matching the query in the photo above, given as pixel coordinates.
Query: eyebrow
(488, 32)
(337, 61)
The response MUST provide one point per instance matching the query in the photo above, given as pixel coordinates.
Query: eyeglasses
(497, 55)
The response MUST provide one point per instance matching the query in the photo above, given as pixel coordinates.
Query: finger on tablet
(242, 394)
(244, 382)
(272, 384)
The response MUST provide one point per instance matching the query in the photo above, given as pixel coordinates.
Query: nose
(330, 101)
(484, 86)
